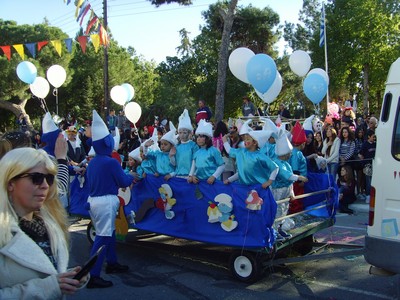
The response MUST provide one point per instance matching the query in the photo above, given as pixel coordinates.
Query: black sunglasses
(37, 178)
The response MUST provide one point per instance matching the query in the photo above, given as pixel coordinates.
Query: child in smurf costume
(282, 187)
(207, 162)
(186, 148)
(269, 147)
(105, 175)
(163, 161)
(134, 164)
(253, 166)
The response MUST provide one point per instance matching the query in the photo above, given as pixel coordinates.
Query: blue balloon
(261, 72)
(26, 71)
(315, 87)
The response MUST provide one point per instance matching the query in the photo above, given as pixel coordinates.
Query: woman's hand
(67, 284)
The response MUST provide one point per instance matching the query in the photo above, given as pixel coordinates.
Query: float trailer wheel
(245, 266)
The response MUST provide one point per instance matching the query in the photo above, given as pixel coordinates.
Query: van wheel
(90, 232)
(245, 266)
(304, 246)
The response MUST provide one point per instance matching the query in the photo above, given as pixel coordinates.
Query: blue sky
(153, 32)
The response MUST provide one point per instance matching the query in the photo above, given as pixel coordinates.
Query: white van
(382, 242)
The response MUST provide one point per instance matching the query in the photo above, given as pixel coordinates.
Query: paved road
(168, 268)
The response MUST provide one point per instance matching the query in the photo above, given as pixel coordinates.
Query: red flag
(42, 44)
(91, 23)
(82, 41)
(103, 36)
(7, 51)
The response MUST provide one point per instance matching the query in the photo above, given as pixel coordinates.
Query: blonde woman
(33, 229)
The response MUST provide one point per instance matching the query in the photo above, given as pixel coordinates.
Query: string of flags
(82, 8)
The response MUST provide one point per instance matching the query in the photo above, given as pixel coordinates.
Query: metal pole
(105, 69)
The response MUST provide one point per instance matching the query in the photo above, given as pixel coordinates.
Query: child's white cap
(117, 138)
(171, 136)
(270, 126)
(283, 145)
(204, 128)
(245, 129)
(308, 123)
(135, 154)
(99, 128)
(184, 121)
(48, 124)
(261, 136)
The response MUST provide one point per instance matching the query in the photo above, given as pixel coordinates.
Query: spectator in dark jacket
(203, 112)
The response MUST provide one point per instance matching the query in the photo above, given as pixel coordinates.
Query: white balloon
(40, 87)
(130, 91)
(321, 72)
(133, 111)
(300, 62)
(56, 75)
(238, 61)
(273, 92)
(119, 94)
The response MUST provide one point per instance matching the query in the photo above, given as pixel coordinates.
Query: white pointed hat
(307, 125)
(171, 136)
(204, 128)
(117, 139)
(48, 124)
(270, 126)
(135, 154)
(99, 128)
(92, 152)
(184, 121)
(154, 138)
(283, 145)
(245, 129)
(261, 136)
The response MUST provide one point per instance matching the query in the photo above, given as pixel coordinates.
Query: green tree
(15, 96)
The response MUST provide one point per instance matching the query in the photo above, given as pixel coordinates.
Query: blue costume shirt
(184, 157)
(285, 172)
(298, 162)
(253, 166)
(207, 161)
(163, 164)
(105, 176)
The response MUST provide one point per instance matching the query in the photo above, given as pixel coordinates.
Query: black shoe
(346, 210)
(98, 283)
(116, 268)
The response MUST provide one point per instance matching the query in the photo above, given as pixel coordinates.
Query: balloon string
(44, 105)
(316, 109)
(55, 92)
(138, 133)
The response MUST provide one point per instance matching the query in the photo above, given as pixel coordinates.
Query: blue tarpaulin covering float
(231, 215)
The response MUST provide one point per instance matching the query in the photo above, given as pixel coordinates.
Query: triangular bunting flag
(7, 51)
(57, 46)
(32, 48)
(68, 43)
(20, 50)
(42, 44)
(95, 41)
(92, 21)
(82, 40)
(78, 6)
(84, 14)
(103, 36)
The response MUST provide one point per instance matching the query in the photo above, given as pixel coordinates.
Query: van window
(387, 103)
(396, 137)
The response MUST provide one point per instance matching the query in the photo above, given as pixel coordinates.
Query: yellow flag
(95, 41)
(57, 46)
(20, 50)
(78, 6)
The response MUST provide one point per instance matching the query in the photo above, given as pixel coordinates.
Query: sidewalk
(360, 206)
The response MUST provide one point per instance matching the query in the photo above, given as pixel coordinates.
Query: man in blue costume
(105, 176)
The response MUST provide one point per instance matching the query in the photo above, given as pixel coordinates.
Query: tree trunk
(366, 89)
(17, 109)
(223, 60)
